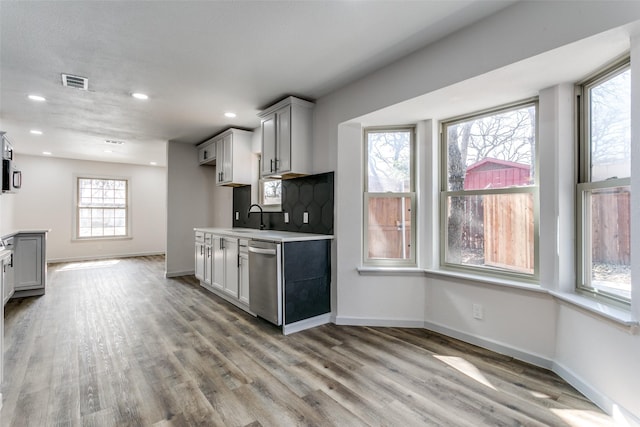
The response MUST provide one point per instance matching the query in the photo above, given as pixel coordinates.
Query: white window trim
(378, 264)
(582, 288)
(487, 272)
(274, 207)
(75, 237)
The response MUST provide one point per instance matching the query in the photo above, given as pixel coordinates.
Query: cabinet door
(231, 267)
(200, 261)
(207, 153)
(227, 159)
(219, 162)
(283, 139)
(208, 264)
(268, 145)
(218, 262)
(243, 278)
(28, 262)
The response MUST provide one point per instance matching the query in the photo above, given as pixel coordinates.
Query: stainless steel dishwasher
(265, 280)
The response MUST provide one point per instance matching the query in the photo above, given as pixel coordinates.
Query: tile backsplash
(312, 194)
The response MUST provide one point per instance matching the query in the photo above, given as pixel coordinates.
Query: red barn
(494, 173)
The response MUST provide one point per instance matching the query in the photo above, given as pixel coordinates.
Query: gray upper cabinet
(233, 158)
(230, 153)
(207, 152)
(286, 138)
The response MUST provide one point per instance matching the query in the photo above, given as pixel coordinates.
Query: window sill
(485, 280)
(389, 271)
(99, 239)
(609, 312)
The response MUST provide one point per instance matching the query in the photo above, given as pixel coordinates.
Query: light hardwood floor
(114, 343)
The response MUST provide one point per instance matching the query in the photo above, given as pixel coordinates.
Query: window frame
(445, 194)
(585, 184)
(77, 207)
(272, 207)
(411, 261)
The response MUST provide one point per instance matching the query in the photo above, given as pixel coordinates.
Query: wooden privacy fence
(501, 226)
(385, 231)
(509, 231)
(611, 227)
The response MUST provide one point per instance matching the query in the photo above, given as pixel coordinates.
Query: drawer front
(199, 236)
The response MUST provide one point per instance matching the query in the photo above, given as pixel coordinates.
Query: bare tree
(389, 161)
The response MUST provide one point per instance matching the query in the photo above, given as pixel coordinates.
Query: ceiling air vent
(113, 141)
(76, 82)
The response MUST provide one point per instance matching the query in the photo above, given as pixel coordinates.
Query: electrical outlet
(305, 218)
(478, 312)
(286, 217)
(237, 215)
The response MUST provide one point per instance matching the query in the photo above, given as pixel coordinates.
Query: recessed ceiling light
(138, 95)
(230, 115)
(36, 132)
(37, 98)
(47, 153)
(153, 163)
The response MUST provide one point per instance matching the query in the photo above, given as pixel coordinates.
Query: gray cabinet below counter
(304, 274)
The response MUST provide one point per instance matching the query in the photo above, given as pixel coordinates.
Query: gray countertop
(269, 235)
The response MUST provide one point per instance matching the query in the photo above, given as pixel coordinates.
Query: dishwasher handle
(262, 251)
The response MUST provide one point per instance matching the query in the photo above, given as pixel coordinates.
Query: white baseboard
(621, 416)
(369, 321)
(496, 346)
(96, 257)
(301, 325)
(169, 274)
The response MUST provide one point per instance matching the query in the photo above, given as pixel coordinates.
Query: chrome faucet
(261, 214)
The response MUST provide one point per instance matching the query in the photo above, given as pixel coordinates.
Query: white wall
(46, 201)
(592, 353)
(193, 200)
(6, 214)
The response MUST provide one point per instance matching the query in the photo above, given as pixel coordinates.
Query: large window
(102, 208)
(604, 190)
(389, 197)
(489, 192)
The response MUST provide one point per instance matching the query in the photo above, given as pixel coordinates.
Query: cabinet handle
(271, 168)
(277, 165)
(201, 250)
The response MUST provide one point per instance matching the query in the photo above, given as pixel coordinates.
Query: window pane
(493, 231)
(389, 227)
(389, 161)
(97, 199)
(610, 127)
(610, 240)
(272, 192)
(495, 151)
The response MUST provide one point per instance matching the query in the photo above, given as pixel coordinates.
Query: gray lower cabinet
(200, 255)
(243, 273)
(8, 280)
(5, 259)
(30, 269)
(219, 267)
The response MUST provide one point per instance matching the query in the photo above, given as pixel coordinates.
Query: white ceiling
(195, 60)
